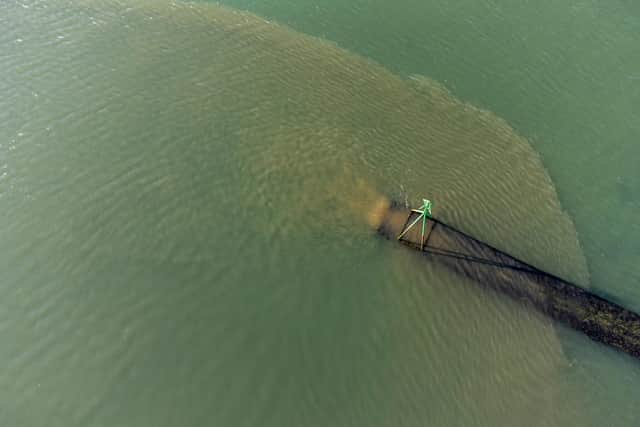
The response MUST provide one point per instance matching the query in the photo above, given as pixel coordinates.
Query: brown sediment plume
(299, 113)
(378, 214)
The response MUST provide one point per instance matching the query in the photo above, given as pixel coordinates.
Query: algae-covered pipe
(599, 319)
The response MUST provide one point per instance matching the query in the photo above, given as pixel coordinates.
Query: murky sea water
(184, 190)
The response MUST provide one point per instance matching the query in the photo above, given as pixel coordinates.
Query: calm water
(183, 194)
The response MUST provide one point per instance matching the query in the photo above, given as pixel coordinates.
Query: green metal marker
(425, 212)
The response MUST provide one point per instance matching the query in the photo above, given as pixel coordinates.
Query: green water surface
(183, 197)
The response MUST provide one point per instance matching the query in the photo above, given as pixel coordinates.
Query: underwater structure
(601, 320)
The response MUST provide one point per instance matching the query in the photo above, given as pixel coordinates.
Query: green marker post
(425, 213)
